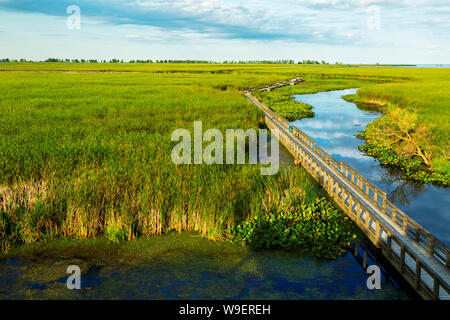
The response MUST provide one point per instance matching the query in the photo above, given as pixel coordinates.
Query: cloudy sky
(350, 31)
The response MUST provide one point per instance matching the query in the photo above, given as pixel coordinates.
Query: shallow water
(187, 272)
(334, 127)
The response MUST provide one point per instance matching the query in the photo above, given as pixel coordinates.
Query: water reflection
(334, 128)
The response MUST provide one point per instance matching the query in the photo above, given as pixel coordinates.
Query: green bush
(319, 229)
(285, 105)
(412, 168)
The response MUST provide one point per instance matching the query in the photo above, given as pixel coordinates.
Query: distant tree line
(261, 62)
(13, 60)
(308, 62)
(185, 61)
(173, 61)
(75, 60)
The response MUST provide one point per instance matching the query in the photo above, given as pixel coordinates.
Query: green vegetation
(318, 228)
(87, 154)
(85, 147)
(413, 132)
(284, 104)
(421, 104)
(398, 131)
(428, 98)
(412, 168)
(282, 100)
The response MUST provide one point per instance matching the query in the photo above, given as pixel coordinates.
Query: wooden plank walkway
(415, 253)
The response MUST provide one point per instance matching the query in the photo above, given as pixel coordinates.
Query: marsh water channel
(334, 128)
(187, 266)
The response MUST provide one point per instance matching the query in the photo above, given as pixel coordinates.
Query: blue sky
(351, 31)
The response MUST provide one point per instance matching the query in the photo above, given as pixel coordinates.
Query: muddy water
(334, 127)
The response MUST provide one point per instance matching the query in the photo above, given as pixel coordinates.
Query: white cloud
(339, 25)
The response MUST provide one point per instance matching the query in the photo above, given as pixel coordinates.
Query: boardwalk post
(377, 238)
(326, 180)
(366, 220)
(435, 288)
(365, 258)
(389, 244)
(350, 203)
(432, 247)
(417, 234)
(418, 272)
(402, 258)
(333, 190)
(384, 197)
(405, 224)
(358, 211)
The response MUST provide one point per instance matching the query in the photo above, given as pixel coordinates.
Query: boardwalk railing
(420, 257)
(272, 86)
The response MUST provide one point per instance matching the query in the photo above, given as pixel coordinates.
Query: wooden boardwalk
(421, 259)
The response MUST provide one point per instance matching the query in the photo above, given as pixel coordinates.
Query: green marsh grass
(88, 154)
(85, 148)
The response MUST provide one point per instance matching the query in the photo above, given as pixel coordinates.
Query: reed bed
(85, 148)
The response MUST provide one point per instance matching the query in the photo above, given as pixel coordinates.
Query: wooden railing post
(377, 232)
(435, 288)
(402, 257)
(384, 197)
(350, 203)
(405, 224)
(431, 246)
(367, 220)
(327, 179)
(365, 258)
(394, 215)
(389, 244)
(418, 272)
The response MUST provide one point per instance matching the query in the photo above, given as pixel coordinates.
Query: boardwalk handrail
(276, 85)
(367, 190)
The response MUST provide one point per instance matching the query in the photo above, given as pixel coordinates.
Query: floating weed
(319, 229)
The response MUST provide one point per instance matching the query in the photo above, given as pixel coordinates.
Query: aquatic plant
(318, 228)
(412, 168)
